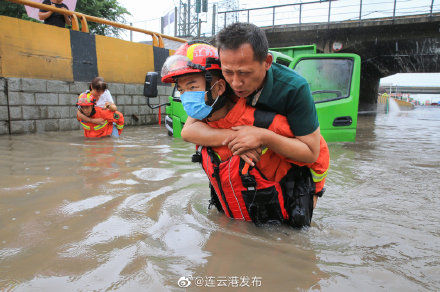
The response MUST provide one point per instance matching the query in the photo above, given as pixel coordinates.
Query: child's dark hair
(98, 84)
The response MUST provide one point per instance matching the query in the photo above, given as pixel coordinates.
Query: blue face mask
(194, 104)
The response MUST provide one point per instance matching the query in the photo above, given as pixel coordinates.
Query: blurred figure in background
(53, 18)
(103, 99)
(113, 122)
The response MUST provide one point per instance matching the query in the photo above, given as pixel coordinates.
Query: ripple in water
(153, 174)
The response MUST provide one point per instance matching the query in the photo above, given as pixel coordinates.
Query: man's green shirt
(287, 93)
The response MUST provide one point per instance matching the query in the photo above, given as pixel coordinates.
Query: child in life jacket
(259, 193)
(113, 121)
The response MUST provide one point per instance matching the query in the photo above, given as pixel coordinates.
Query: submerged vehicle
(334, 81)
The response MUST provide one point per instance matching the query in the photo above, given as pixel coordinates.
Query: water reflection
(99, 162)
(131, 214)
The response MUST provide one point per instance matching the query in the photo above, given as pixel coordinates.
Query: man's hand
(66, 17)
(251, 156)
(245, 138)
(98, 121)
(315, 200)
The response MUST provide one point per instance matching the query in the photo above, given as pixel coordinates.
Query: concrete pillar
(369, 87)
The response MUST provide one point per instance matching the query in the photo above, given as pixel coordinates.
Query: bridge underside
(386, 46)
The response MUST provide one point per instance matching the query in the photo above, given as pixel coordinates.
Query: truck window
(176, 94)
(329, 78)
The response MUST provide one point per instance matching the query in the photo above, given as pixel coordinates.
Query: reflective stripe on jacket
(95, 131)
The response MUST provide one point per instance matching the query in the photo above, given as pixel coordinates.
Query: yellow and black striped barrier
(40, 51)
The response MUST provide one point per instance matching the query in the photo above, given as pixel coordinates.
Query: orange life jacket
(244, 193)
(273, 166)
(95, 131)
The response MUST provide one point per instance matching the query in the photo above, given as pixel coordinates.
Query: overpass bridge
(411, 89)
(391, 36)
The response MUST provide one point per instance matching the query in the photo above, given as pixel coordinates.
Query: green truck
(334, 81)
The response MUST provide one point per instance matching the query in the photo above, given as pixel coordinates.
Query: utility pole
(214, 15)
(175, 21)
(189, 17)
(186, 20)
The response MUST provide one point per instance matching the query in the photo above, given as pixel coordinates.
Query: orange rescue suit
(272, 165)
(95, 131)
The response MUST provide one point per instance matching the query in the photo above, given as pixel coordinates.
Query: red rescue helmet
(191, 57)
(85, 99)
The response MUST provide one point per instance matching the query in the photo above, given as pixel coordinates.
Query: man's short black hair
(239, 33)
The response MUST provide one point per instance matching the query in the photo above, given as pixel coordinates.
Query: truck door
(334, 81)
(175, 114)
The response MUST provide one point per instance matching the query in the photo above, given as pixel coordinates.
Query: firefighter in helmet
(113, 121)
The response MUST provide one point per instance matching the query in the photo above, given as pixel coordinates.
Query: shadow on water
(131, 214)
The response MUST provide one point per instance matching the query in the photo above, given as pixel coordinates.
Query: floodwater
(131, 215)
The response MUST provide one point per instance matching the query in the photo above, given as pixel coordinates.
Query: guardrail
(326, 11)
(157, 37)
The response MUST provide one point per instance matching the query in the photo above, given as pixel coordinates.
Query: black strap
(214, 200)
(196, 66)
(298, 192)
(248, 180)
(319, 194)
(263, 119)
(212, 61)
(216, 174)
(208, 79)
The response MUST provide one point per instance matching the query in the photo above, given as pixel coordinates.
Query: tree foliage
(107, 9)
(14, 10)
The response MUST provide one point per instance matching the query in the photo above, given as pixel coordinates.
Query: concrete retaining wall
(37, 105)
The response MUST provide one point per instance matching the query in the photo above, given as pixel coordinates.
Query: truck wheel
(169, 125)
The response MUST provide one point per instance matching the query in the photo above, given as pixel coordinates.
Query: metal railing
(157, 37)
(328, 11)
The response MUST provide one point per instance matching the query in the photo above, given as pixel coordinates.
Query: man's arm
(304, 148)
(67, 17)
(44, 15)
(200, 133)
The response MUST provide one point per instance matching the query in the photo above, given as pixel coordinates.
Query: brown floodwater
(131, 214)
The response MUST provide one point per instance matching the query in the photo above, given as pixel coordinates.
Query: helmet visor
(175, 64)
